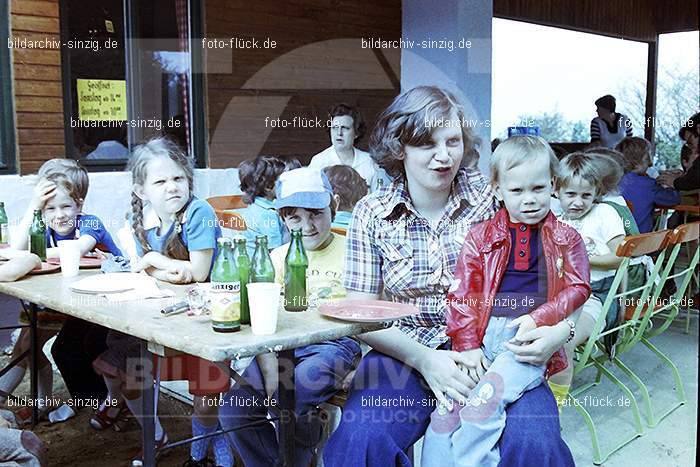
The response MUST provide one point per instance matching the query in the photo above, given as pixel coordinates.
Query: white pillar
(452, 48)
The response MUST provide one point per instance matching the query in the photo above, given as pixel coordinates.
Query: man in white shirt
(347, 127)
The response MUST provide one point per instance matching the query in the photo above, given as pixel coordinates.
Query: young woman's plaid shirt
(392, 249)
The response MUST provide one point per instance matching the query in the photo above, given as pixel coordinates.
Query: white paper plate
(114, 282)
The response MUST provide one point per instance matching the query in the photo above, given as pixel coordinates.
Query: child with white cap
(304, 200)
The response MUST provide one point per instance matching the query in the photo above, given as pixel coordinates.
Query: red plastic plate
(367, 311)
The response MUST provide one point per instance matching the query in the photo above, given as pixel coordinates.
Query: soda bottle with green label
(225, 291)
(261, 268)
(295, 266)
(37, 236)
(243, 264)
(4, 225)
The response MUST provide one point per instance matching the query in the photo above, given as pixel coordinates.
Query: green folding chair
(665, 313)
(592, 353)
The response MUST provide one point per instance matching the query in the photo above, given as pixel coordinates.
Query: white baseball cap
(305, 187)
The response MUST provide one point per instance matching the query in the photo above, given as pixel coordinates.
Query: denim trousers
(467, 436)
(319, 371)
(389, 407)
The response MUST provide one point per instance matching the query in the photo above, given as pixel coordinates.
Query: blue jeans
(320, 368)
(468, 435)
(376, 435)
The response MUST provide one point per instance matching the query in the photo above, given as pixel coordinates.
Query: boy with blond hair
(517, 271)
(59, 194)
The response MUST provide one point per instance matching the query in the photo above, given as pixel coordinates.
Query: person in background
(348, 189)
(689, 178)
(347, 128)
(690, 132)
(609, 127)
(585, 178)
(18, 447)
(257, 177)
(637, 187)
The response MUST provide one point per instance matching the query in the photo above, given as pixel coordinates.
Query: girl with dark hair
(258, 177)
(175, 237)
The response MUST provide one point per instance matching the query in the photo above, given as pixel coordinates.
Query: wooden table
(192, 335)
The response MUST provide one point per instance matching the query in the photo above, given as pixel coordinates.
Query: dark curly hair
(258, 176)
(358, 122)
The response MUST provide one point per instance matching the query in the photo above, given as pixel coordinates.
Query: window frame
(196, 101)
(8, 148)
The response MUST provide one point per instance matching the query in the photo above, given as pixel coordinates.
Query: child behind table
(640, 189)
(348, 188)
(60, 192)
(257, 177)
(175, 235)
(584, 180)
(517, 271)
(304, 200)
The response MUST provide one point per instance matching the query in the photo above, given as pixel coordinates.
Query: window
(120, 92)
(677, 93)
(7, 128)
(552, 76)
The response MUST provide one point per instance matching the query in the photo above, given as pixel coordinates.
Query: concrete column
(451, 47)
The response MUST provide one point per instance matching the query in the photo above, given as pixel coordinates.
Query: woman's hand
(525, 323)
(441, 371)
(537, 346)
(480, 366)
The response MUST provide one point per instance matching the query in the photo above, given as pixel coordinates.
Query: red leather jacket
(480, 268)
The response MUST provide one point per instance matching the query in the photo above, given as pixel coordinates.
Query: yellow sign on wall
(101, 99)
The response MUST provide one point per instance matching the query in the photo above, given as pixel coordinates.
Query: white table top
(189, 334)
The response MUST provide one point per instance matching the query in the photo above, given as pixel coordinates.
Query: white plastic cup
(264, 301)
(69, 254)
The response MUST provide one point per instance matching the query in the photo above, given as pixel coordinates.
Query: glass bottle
(4, 225)
(295, 265)
(243, 264)
(225, 291)
(262, 269)
(37, 236)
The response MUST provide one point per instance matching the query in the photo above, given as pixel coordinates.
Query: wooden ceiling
(639, 20)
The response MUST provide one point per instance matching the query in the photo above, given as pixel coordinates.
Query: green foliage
(676, 100)
(557, 129)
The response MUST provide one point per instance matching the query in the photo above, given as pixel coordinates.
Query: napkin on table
(147, 288)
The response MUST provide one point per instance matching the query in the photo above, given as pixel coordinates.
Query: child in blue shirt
(60, 193)
(257, 177)
(348, 188)
(638, 188)
(175, 236)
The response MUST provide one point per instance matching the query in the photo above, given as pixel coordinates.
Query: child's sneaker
(137, 460)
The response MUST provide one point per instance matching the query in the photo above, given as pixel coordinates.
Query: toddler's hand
(525, 324)
(479, 365)
(43, 192)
